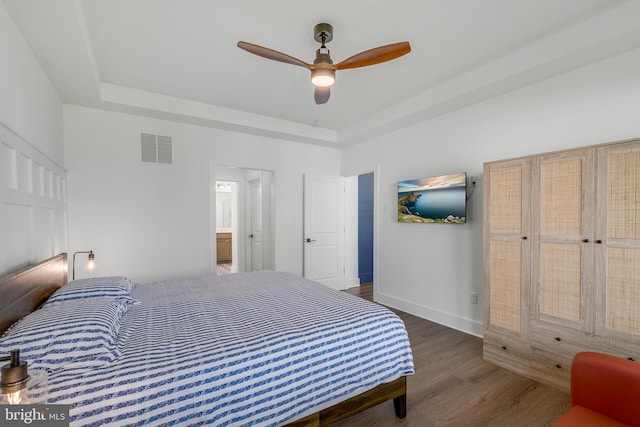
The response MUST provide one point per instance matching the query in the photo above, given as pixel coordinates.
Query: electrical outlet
(473, 297)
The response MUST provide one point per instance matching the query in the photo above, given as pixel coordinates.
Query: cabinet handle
(558, 339)
(598, 241)
(559, 366)
(504, 347)
(524, 237)
(585, 240)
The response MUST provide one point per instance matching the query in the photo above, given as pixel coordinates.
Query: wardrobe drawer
(616, 347)
(506, 353)
(559, 340)
(552, 369)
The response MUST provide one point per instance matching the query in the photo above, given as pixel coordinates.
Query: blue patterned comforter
(262, 348)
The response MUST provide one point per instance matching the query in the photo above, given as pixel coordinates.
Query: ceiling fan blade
(321, 94)
(265, 52)
(375, 56)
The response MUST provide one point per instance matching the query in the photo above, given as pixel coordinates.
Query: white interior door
(256, 233)
(324, 230)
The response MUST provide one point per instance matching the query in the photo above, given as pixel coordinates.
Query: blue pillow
(95, 287)
(57, 335)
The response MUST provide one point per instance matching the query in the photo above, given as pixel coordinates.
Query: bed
(262, 348)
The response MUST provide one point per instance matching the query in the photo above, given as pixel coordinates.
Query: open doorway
(226, 226)
(359, 239)
(242, 218)
(365, 228)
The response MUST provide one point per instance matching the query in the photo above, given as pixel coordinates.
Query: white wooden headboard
(33, 204)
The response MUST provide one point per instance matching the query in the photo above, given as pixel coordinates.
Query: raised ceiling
(178, 60)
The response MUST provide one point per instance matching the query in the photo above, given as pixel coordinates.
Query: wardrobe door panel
(618, 247)
(507, 270)
(563, 228)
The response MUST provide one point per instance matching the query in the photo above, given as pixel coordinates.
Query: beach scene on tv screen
(438, 199)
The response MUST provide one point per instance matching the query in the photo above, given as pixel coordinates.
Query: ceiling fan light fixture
(323, 70)
(323, 77)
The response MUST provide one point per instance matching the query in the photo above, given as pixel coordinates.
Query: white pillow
(83, 331)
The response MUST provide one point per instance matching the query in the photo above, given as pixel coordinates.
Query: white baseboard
(468, 326)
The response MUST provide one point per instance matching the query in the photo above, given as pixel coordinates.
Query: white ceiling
(178, 60)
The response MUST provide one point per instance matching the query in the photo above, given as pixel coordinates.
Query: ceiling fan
(323, 70)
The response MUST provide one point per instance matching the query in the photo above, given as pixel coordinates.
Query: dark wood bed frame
(23, 292)
(396, 390)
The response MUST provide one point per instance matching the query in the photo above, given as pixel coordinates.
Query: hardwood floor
(454, 386)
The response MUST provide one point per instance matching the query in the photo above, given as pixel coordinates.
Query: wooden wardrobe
(562, 258)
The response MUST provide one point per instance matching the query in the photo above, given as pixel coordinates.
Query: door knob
(310, 240)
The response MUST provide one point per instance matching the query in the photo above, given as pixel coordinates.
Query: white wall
(29, 104)
(151, 221)
(430, 269)
(33, 221)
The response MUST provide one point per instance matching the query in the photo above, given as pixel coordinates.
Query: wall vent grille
(156, 148)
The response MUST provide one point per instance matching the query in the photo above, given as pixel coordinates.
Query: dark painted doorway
(365, 228)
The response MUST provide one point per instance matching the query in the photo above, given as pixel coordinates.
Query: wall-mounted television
(438, 199)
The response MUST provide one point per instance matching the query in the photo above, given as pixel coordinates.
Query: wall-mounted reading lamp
(91, 263)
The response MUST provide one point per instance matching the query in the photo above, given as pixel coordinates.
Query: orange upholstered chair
(605, 391)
